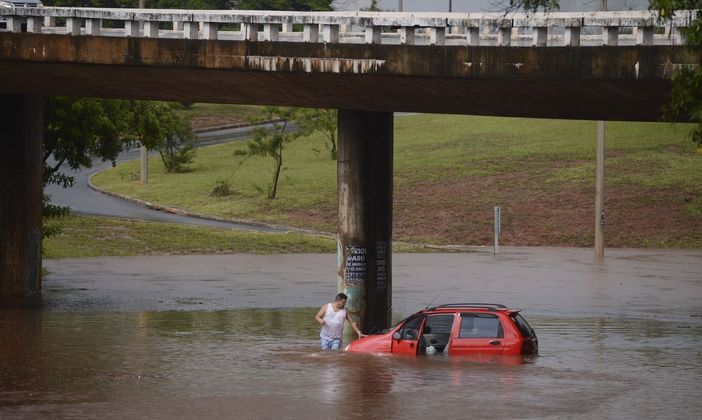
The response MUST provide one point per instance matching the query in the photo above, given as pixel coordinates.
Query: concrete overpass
(599, 65)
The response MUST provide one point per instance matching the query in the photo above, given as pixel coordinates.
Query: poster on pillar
(356, 265)
(381, 265)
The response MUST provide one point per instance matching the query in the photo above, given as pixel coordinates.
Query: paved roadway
(84, 200)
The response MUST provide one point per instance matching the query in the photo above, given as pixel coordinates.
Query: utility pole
(400, 6)
(450, 6)
(599, 192)
(144, 164)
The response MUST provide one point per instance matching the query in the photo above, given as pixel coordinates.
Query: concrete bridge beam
(364, 172)
(20, 199)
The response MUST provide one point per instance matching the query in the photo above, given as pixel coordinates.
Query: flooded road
(265, 363)
(191, 337)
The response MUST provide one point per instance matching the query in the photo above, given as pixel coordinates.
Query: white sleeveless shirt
(333, 322)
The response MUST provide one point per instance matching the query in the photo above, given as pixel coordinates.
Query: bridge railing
(472, 29)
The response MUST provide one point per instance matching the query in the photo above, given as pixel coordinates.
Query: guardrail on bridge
(471, 29)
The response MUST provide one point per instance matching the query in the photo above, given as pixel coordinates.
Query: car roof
(479, 307)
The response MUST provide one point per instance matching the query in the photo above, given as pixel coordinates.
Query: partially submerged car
(456, 329)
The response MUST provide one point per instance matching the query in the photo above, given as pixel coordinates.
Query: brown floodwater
(254, 363)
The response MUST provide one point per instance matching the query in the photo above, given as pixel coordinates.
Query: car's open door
(406, 339)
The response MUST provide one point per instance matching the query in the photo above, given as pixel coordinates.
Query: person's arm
(353, 325)
(320, 315)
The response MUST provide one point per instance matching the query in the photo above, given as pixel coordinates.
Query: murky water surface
(265, 363)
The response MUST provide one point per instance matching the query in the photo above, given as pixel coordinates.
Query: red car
(456, 329)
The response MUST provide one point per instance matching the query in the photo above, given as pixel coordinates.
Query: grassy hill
(451, 170)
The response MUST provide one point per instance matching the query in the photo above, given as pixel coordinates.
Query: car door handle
(495, 342)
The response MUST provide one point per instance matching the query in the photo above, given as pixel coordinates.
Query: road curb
(280, 228)
(182, 212)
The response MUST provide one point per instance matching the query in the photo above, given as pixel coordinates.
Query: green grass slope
(451, 170)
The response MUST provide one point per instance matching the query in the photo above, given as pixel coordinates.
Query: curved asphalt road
(84, 200)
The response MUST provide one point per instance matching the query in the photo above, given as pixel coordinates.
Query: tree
(76, 130)
(686, 96)
(272, 142)
(324, 120)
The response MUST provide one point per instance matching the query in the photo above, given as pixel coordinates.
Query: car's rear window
(523, 326)
(480, 326)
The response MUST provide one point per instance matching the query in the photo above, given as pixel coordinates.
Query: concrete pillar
(644, 35)
(473, 36)
(504, 37)
(310, 33)
(407, 35)
(610, 35)
(571, 37)
(364, 191)
(539, 36)
(131, 28)
(271, 31)
(210, 30)
(191, 30)
(373, 34)
(438, 36)
(20, 199)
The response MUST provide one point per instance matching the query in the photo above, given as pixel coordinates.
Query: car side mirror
(396, 335)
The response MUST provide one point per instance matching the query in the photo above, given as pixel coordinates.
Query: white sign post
(497, 230)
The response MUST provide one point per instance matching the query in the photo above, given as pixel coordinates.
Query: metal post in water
(496, 245)
(364, 191)
(599, 192)
(21, 119)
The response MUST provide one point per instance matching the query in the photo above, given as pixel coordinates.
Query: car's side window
(480, 326)
(410, 331)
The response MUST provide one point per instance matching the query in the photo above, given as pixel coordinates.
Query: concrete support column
(331, 33)
(610, 35)
(407, 35)
(644, 35)
(504, 37)
(473, 36)
(73, 26)
(191, 30)
(364, 172)
(373, 34)
(438, 36)
(539, 36)
(310, 33)
(131, 28)
(34, 24)
(270, 32)
(93, 26)
(210, 30)
(20, 199)
(150, 29)
(571, 38)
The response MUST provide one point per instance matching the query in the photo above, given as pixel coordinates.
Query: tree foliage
(322, 120)
(272, 142)
(686, 97)
(78, 130)
(685, 102)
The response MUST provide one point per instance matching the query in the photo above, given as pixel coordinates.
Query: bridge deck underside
(611, 83)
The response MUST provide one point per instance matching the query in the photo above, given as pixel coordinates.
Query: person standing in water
(332, 317)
